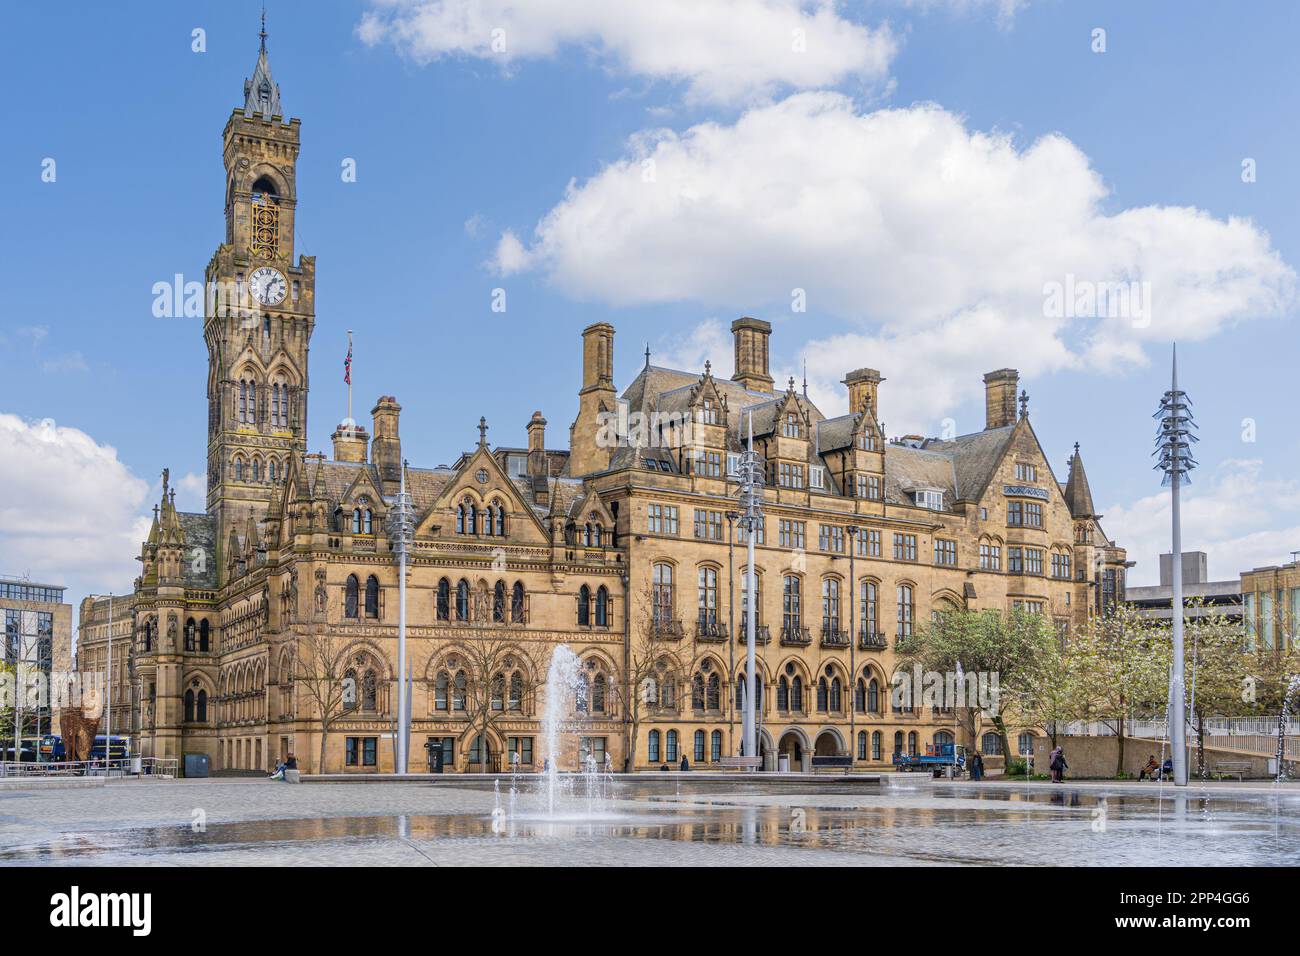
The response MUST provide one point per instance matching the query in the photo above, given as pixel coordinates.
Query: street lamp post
(1173, 446)
(751, 519)
(401, 531)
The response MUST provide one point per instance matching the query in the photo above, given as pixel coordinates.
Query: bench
(1227, 768)
(832, 762)
(744, 763)
(292, 776)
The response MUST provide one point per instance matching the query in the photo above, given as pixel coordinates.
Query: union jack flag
(347, 366)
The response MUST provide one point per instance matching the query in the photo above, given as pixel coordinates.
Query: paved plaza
(659, 820)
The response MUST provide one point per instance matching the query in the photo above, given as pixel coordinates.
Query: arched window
(369, 692)
(367, 521)
(356, 520)
(940, 738)
(516, 700)
(471, 520)
(517, 603)
(991, 745)
(898, 742)
(444, 600)
(708, 598)
(201, 707)
(699, 746)
(875, 745)
(715, 747)
(870, 610)
(911, 743)
(462, 600)
(662, 595)
(783, 694)
(830, 605)
(350, 596)
(239, 468)
(501, 520)
(489, 513)
(602, 607)
(582, 694)
(270, 470)
(189, 706)
(906, 610)
(599, 694)
(499, 602)
(203, 636)
(440, 687)
(191, 634)
(860, 696)
(257, 469)
(652, 746)
(497, 692)
(862, 745)
(372, 596)
(823, 695)
(796, 693)
(837, 695)
(790, 601)
(460, 519)
(584, 606)
(458, 691)
(670, 747)
(597, 535)
(697, 692)
(1025, 743)
(873, 696)
(713, 693)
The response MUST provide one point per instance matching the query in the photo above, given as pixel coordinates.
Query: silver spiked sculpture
(1174, 440)
(401, 530)
(751, 520)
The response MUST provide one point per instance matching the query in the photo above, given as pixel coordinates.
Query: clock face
(268, 286)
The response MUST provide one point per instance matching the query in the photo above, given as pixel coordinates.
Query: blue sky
(461, 151)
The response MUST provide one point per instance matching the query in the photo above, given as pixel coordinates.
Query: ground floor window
(595, 748)
(478, 752)
(670, 750)
(1026, 744)
(652, 747)
(991, 745)
(362, 751)
(715, 747)
(699, 746)
(875, 745)
(448, 747)
(521, 750)
(862, 745)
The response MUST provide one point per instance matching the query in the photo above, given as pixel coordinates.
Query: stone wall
(1094, 757)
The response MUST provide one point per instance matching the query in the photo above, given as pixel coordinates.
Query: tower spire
(261, 93)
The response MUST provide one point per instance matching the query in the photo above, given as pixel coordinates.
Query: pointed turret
(1077, 493)
(261, 93)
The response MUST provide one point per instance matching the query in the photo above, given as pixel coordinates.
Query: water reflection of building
(622, 545)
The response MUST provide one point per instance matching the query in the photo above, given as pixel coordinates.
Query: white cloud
(725, 51)
(68, 362)
(70, 511)
(1241, 517)
(928, 237)
(1004, 11)
(708, 341)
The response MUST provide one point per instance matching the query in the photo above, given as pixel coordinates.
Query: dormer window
(928, 498)
(817, 477)
(790, 427)
(867, 441)
(1025, 472)
(708, 413)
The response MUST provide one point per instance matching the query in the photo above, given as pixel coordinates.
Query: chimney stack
(864, 385)
(387, 445)
(537, 446)
(751, 337)
(350, 442)
(1000, 398)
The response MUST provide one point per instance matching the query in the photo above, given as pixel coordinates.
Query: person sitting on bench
(1150, 770)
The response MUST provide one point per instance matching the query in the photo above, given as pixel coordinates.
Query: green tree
(1119, 667)
(1013, 645)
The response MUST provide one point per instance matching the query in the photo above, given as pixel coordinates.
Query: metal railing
(873, 642)
(713, 631)
(795, 636)
(832, 636)
(762, 634)
(156, 767)
(667, 629)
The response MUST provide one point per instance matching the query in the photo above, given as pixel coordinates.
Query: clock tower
(259, 314)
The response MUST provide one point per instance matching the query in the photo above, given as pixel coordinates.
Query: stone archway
(828, 744)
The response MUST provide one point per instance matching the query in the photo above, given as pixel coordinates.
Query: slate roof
(974, 458)
(1077, 493)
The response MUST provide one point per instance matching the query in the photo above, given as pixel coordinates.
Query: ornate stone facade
(622, 546)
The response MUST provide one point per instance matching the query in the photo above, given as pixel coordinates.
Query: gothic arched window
(201, 707)
(602, 607)
(350, 596)
(189, 706)
(599, 692)
(517, 603)
(499, 603)
(372, 596)
(584, 606)
(515, 700)
(444, 600)
(462, 600)
(203, 636)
